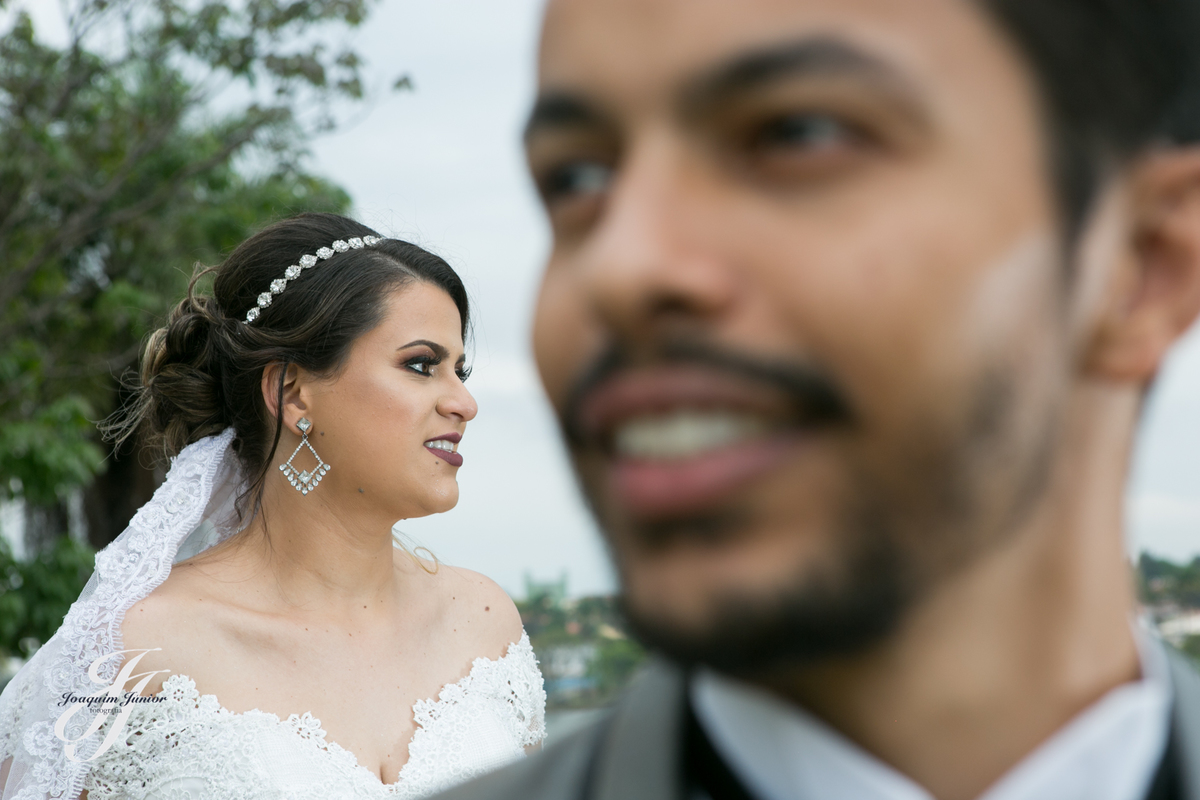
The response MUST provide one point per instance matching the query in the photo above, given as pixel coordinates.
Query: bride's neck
(318, 552)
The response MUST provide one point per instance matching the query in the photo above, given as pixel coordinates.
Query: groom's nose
(655, 264)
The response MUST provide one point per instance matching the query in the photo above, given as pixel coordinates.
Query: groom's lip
(656, 488)
(665, 389)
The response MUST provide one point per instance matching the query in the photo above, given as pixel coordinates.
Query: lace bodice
(188, 747)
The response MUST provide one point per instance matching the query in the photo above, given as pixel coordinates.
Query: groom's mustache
(811, 393)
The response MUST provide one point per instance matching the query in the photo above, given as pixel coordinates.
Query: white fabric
(191, 511)
(191, 748)
(1110, 751)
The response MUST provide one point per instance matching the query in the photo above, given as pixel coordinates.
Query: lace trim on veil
(199, 488)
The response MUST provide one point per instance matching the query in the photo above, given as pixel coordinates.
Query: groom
(849, 317)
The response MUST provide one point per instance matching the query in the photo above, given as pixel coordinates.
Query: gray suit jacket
(634, 752)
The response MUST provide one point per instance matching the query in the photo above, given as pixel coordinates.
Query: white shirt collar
(1110, 751)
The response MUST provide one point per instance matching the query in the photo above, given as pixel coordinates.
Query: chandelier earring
(304, 481)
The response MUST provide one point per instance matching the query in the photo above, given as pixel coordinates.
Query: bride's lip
(449, 456)
(454, 458)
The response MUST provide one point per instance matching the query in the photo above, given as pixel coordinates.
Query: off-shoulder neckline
(309, 728)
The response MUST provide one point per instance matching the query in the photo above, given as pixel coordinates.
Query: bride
(293, 649)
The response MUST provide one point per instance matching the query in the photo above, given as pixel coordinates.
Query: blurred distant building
(1177, 629)
(585, 655)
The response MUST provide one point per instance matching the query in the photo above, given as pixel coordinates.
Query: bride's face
(383, 421)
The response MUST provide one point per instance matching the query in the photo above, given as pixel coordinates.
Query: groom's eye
(573, 190)
(574, 180)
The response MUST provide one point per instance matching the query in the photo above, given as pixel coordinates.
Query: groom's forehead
(643, 54)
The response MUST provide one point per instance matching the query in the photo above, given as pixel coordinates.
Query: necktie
(706, 775)
(1167, 783)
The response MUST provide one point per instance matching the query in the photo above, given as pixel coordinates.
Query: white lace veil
(191, 511)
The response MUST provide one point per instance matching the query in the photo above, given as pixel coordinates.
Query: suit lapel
(642, 750)
(1185, 724)
(639, 757)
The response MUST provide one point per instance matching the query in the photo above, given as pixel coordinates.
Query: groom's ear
(1155, 296)
(281, 390)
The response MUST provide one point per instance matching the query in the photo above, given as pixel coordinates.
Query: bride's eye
(422, 365)
(463, 373)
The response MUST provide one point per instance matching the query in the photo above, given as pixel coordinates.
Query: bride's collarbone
(233, 651)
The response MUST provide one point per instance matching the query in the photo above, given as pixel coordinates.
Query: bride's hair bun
(181, 373)
(203, 371)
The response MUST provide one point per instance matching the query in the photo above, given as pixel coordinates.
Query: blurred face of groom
(806, 320)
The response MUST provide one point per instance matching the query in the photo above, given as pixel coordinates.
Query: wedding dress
(183, 745)
(189, 747)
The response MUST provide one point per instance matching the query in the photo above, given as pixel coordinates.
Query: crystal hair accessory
(306, 262)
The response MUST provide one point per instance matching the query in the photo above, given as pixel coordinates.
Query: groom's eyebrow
(557, 109)
(711, 91)
(822, 57)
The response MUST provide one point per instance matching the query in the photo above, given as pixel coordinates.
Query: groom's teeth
(441, 444)
(684, 434)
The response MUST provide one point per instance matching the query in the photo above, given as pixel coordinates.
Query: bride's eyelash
(432, 361)
(421, 361)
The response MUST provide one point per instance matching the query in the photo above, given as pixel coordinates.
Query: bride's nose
(458, 402)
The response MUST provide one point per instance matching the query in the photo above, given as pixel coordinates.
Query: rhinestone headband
(306, 262)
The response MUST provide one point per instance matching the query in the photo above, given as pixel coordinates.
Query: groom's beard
(902, 524)
(813, 616)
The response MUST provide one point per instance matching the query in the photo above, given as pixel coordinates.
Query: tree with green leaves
(159, 135)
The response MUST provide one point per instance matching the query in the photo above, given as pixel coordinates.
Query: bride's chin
(443, 498)
(450, 503)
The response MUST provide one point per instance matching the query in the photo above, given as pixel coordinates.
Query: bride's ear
(281, 390)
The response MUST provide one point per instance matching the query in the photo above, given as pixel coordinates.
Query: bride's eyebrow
(437, 349)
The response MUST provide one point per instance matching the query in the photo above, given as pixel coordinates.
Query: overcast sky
(442, 166)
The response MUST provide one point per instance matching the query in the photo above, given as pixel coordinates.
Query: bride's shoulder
(179, 620)
(477, 611)
(160, 608)
(182, 593)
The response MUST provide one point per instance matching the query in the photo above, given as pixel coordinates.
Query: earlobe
(1154, 294)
